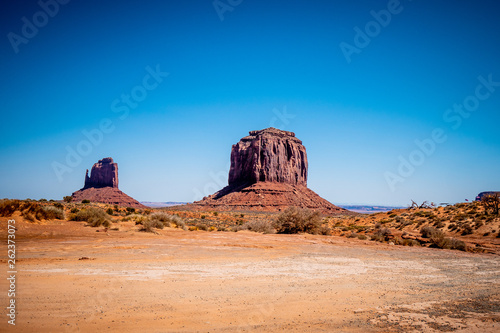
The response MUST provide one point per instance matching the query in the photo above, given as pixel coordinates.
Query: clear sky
(393, 100)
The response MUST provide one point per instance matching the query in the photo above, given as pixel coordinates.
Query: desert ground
(76, 278)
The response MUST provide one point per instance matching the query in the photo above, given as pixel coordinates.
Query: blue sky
(266, 63)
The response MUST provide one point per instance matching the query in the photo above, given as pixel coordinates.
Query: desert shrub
(259, 226)
(30, 210)
(68, 198)
(353, 234)
(150, 224)
(439, 224)
(166, 219)
(95, 217)
(362, 237)
(458, 245)
(58, 205)
(28, 216)
(294, 220)
(42, 200)
(51, 212)
(85, 201)
(216, 213)
(203, 217)
(130, 210)
(467, 230)
(478, 225)
(406, 242)
(325, 230)
(110, 211)
(438, 239)
(202, 226)
(7, 207)
(427, 232)
(137, 218)
(381, 235)
(74, 210)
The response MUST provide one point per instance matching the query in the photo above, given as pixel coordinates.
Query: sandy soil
(181, 281)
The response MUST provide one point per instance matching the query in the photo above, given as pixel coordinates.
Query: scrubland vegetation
(456, 227)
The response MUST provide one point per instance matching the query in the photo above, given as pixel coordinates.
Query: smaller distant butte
(102, 186)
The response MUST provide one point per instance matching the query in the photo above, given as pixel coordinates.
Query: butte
(268, 173)
(102, 186)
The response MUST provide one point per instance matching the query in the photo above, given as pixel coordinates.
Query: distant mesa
(268, 173)
(102, 186)
(483, 194)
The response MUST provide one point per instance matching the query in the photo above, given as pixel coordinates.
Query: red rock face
(268, 155)
(103, 174)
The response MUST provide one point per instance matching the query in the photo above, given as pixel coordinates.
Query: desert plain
(76, 278)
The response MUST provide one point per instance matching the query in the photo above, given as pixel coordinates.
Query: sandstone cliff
(268, 173)
(269, 155)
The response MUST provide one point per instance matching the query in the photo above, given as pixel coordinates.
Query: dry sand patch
(183, 281)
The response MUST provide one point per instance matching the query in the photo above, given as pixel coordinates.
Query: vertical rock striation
(268, 155)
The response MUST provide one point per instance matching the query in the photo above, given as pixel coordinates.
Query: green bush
(110, 211)
(85, 201)
(95, 217)
(68, 198)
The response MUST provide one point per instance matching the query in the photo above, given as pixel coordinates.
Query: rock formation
(268, 173)
(268, 155)
(102, 186)
(104, 174)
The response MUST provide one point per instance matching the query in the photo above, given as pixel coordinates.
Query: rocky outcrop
(268, 173)
(102, 186)
(107, 195)
(268, 155)
(268, 197)
(103, 174)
